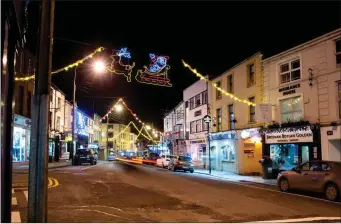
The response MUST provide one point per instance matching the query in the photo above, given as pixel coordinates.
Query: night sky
(211, 37)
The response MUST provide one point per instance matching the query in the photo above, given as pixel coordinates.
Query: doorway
(304, 154)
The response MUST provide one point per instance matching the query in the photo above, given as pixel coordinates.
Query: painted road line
(53, 183)
(309, 219)
(15, 216)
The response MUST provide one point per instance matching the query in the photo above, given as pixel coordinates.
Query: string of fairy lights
(216, 87)
(75, 64)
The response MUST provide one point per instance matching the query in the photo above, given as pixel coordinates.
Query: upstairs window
(252, 110)
(338, 51)
(204, 97)
(251, 78)
(217, 92)
(291, 109)
(230, 83)
(197, 101)
(290, 71)
(219, 120)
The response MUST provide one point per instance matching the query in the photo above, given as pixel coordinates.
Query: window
(51, 95)
(219, 123)
(228, 153)
(21, 100)
(191, 103)
(197, 100)
(198, 125)
(204, 125)
(192, 127)
(339, 88)
(110, 134)
(58, 123)
(204, 97)
(28, 103)
(110, 126)
(230, 84)
(231, 117)
(290, 71)
(291, 109)
(338, 52)
(59, 104)
(217, 92)
(50, 119)
(251, 79)
(252, 110)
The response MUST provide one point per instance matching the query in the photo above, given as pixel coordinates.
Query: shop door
(304, 154)
(19, 144)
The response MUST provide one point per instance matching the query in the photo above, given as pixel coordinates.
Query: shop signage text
(198, 142)
(329, 132)
(284, 137)
(223, 135)
(284, 89)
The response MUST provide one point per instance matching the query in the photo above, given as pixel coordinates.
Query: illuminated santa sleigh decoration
(118, 67)
(156, 73)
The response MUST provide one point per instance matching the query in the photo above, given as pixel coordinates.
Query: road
(121, 192)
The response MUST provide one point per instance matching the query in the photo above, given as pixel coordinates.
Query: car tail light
(89, 153)
(177, 163)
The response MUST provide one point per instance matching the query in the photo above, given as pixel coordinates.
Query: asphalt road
(120, 192)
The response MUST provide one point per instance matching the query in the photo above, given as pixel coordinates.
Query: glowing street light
(155, 135)
(148, 127)
(99, 67)
(118, 108)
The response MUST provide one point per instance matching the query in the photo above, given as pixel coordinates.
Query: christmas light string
(127, 68)
(131, 112)
(150, 139)
(215, 85)
(75, 64)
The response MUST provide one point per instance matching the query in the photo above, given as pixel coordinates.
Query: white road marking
(309, 219)
(15, 216)
(105, 213)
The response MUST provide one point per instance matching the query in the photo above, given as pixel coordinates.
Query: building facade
(235, 142)
(115, 136)
(133, 139)
(302, 87)
(196, 107)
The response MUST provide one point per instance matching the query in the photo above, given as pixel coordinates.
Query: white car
(163, 161)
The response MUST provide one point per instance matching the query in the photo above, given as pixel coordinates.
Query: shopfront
(21, 138)
(290, 147)
(223, 147)
(197, 150)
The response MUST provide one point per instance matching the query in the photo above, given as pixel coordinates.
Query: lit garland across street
(124, 69)
(75, 64)
(131, 112)
(215, 85)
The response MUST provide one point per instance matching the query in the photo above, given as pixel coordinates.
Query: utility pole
(6, 148)
(73, 116)
(208, 131)
(38, 170)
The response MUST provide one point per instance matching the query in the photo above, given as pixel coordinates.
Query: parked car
(85, 156)
(184, 163)
(164, 160)
(315, 176)
(111, 156)
(150, 158)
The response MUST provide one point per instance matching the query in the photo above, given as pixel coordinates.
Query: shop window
(251, 78)
(229, 153)
(252, 110)
(231, 117)
(217, 92)
(284, 156)
(290, 71)
(219, 120)
(291, 109)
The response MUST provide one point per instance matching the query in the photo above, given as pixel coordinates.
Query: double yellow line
(52, 182)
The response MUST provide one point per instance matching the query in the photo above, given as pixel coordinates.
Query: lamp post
(98, 67)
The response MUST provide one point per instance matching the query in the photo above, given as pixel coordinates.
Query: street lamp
(118, 108)
(148, 127)
(98, 67)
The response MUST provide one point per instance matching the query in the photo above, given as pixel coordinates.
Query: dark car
(85, 156)
(184, 163)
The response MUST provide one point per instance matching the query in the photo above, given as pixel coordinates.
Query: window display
(228, 152)
(19, 143)
(284, 156)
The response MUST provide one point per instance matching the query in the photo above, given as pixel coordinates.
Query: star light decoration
(118, 67)
(156, 73)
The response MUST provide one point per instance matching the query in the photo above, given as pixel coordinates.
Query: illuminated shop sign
(81, 124)
(249, 133)
(223, 135)
(286, 136)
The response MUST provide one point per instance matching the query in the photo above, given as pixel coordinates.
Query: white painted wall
(320, 102)
(331, 144)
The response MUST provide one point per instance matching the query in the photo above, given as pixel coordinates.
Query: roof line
(258, 53)
(305, 44)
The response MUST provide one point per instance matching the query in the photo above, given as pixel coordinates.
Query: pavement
(123, 192)
(23, 167)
